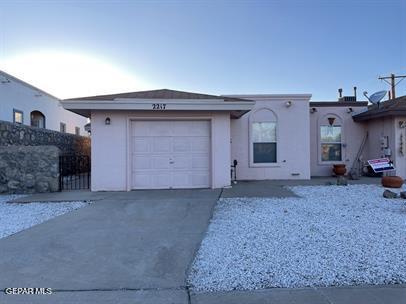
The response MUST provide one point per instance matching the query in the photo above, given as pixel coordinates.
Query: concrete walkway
(136, 247)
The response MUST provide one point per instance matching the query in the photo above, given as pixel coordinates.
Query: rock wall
(29, 169)
(15, 135)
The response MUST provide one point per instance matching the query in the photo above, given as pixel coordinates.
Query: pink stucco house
(164, 139)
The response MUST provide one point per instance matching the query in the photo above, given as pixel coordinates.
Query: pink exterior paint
(110, 148)
(293, 138)
(352, 136)
(389, 126)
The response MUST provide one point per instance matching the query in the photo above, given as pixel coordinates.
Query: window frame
(62, 127)
(15, 111)
(274, 119)
(341, 143)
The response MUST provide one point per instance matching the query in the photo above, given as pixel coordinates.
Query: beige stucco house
(165, 139)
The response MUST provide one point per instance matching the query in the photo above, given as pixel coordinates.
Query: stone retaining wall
(29, 169)
(15, 135)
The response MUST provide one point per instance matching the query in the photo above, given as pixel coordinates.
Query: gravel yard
(329, 236)
(17, 217)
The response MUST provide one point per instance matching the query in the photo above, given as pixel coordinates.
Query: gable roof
(8, 76)
(158, 94)
(391, 107)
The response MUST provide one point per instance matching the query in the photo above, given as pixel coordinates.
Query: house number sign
(158, 106)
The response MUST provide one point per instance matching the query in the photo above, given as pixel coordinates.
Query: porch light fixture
(288, 104)
(350, 110)
(331, 120)
(107, 121)
(313, 110)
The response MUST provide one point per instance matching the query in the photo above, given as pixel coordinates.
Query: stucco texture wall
(27, 169)
(110, 146)
(293, 140)
(15, 95)
(351, 137)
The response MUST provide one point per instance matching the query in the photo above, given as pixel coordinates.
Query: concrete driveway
(139, 242)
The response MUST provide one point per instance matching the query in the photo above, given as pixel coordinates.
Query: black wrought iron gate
(74, 172)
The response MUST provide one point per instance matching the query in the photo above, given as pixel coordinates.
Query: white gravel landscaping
(16, 217)
(329, 236)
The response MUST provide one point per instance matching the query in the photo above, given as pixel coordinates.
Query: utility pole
(392, 83)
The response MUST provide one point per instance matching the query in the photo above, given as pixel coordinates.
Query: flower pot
(339, 169)
(392, 181)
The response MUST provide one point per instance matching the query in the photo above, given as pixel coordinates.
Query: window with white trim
(18, 116)
(264, 142)
(330, 143)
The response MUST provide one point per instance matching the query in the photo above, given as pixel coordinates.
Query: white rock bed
(16, 217)
(330, 236)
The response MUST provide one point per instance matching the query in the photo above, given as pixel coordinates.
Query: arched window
(331, 138)
(37, 119)
(263, 139)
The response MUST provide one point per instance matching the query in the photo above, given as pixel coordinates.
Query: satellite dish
(376, 97)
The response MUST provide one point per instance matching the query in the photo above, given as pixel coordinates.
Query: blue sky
(73, 48)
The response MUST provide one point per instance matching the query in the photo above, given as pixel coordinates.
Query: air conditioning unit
(348, 98)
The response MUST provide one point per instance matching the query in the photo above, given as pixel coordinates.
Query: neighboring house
(166, 139)
(25, 104)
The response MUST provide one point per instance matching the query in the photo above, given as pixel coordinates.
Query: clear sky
(76, 48)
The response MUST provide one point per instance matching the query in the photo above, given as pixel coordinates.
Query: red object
(339, 169)
(392, 181)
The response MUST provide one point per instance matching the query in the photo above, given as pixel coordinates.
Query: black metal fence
(74, 172)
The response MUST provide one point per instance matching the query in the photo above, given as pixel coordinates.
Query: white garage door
(170, 154)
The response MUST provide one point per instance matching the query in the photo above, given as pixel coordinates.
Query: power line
(393, 83)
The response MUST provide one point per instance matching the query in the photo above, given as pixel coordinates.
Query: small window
(77, 130)
(18, 116)
(62, 127)
(264, 142)
(330, 141)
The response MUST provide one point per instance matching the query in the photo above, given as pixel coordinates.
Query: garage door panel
(182, 162)
(162, 180)
(200, 144)
(141, 144)
(170, 154)
(159, 128)
(160, 162)
(199, 128)
(142, 180)
(181, 144)
(200, 162)
(162, 144)
(181, 180)
(142, 163)
(200, 179)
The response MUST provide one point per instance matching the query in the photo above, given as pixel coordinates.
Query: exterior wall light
(107, 121)
(288, 104)
(313, 110)
(350, 110)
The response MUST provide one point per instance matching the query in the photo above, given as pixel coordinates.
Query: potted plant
(339, 169)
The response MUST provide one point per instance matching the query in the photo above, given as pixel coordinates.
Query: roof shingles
(157, 94)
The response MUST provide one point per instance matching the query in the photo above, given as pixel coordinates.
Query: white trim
(129, 144)
(252, 120)
(197, 105)
(320, 162)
